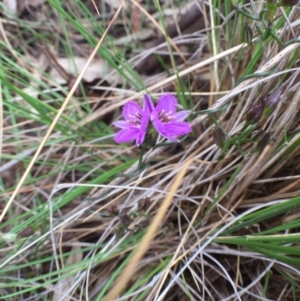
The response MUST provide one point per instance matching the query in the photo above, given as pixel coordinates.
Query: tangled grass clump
(207, 208)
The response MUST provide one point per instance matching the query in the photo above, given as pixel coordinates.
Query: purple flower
(165, 119)
(134, 127)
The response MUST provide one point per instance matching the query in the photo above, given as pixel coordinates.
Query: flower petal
(159, 126)
(140, 139)
(171, 129)
(121, 124)
(167, 103)
(177, 128)
(182, 115)
(127, 135)
(148, 104)
(131, 110)
(144, 122)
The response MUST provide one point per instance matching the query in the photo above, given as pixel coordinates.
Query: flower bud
(248, 34)
(219, 137)
(255, 113)
(125, 218)
(273, 99)
(113, 210)
(144, 204)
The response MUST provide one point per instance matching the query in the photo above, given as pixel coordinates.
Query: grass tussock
(212, 217)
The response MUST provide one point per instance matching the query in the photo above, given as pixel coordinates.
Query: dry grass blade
(60, 112)
(164, 82)
(159, 28)
(142, 248)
